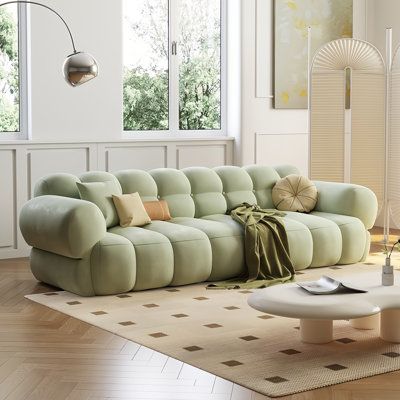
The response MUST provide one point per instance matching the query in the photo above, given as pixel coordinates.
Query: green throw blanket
(266, 249)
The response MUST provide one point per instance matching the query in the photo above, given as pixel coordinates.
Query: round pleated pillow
(294, 193)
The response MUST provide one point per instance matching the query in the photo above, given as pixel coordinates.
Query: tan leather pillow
(157, 210)
(295, 193)
(130, 209)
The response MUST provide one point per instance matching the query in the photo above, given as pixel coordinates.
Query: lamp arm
(49, 8)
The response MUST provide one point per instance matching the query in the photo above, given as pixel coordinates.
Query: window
(12, 120)
(174, 66)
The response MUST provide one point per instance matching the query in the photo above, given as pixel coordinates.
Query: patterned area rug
(217, 331)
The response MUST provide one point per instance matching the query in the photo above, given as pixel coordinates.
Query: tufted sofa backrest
(191, 192)
(137, 180)
(237, 186)
(207, 191)
(264, 179)
(57, 185)
(174, 187)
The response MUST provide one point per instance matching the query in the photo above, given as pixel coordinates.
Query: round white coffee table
(379, 306)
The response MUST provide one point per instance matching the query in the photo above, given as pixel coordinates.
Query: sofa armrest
(347, 199)
(62, 225)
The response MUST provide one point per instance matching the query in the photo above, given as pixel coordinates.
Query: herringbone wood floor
(47, 355)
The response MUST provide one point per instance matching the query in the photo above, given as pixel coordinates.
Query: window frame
(23, 57)
(173, 131)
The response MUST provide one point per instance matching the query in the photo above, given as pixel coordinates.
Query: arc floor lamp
(79, 67)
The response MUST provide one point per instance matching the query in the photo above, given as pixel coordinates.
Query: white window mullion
(23, 57)
(173, 66)
(24, 72)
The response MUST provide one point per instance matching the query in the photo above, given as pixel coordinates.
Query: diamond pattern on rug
(212, 326)
(126, 323)
(73, 303)
(345, 340)
(123, 296)
(232, 363)
(266, 316)
(158, 335)
(391, 354)
(179, 315)
(200, 298)
(172, 290)
(193, 348)
(335, 367)
(290, 352)
(230, 308)
(276, 379)
(98, 312)
(51, 294)
(151, 305)
(249, 338)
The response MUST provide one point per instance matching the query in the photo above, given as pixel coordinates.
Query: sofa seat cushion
(192, 251)
(326, 237)
(154, 257)
(300, 243)
(299, 238)
(227, 245)
(353, 236)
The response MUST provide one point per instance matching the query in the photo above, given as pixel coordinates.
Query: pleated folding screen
(328, 152)
(394, 141)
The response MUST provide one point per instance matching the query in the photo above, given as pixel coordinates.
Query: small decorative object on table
(387, 269)
(327, 285)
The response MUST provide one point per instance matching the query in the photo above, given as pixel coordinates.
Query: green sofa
(76, 249)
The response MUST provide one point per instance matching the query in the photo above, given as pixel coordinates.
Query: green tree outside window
(9, 71)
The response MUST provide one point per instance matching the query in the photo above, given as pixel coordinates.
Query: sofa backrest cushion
(285, 170)
(264, 179)
(237, 186)
(136, 180)
(174, 187)
(100, 193)
(100, 176)
(57, 185)
(206, 190)
(113, 187)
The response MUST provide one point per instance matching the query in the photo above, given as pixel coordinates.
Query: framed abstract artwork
(328, 19)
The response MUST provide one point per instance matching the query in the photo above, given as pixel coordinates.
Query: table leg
(316, 331)
(390, 325)
(370, 322)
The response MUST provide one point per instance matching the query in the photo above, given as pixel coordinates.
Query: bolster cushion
(61, 225)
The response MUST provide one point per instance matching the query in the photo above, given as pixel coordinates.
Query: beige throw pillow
(295, 193)
(130, 209)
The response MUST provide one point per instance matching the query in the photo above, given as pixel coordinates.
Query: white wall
(259, 119)
(383, 14)
(89, 112)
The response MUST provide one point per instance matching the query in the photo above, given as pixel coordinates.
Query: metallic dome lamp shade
(79, 67)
